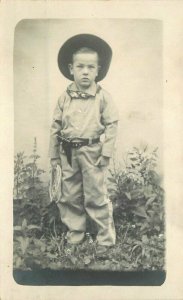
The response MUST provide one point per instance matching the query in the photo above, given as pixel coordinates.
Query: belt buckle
(90, 141)
(77, 145)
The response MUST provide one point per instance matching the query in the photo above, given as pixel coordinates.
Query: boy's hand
(103, 161)
(55, 162)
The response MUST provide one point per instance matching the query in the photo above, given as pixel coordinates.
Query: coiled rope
(55, 189)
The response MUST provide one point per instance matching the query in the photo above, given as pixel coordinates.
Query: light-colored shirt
(84, 118)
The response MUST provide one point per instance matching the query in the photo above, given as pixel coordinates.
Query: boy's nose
(85, 70)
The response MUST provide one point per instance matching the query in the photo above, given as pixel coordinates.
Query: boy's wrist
(102, 161)
(106, 158)
(55, 161)
(105, 154)
(54, 158)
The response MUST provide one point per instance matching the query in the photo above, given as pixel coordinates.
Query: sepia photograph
(91, 150)
(88, 191)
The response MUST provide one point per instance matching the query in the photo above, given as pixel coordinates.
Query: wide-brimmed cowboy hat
(84, 40)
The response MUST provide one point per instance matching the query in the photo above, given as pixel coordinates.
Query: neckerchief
(80, 95)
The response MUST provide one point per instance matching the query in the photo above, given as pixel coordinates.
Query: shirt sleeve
(56, 126)
(109, 119)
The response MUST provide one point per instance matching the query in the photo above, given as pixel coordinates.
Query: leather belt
(68, 144)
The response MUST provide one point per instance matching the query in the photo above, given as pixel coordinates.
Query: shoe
(89, 238)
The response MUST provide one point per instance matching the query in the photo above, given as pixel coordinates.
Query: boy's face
(84, 69)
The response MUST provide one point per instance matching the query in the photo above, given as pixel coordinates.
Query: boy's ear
(70, 68)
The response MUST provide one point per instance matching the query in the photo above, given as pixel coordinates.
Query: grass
(131, 253)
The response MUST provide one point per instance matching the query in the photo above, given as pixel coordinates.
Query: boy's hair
(85, 50)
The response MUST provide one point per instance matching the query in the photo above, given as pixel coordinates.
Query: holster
(69, 144)
(68, 151)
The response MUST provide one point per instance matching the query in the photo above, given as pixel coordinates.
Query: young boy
(83, 113)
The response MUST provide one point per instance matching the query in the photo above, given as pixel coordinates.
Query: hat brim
(84, 40)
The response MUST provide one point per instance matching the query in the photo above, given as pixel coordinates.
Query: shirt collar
(91, 91)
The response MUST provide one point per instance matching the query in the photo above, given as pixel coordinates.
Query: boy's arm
(110, 138)
(110, 121)
(54, 147)
(109, 141)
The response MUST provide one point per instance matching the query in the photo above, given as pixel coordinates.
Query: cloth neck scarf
(80, 95)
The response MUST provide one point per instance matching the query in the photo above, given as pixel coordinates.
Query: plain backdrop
(135, 79)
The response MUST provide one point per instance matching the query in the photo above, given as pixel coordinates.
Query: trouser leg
(71, 205)
(97, 203)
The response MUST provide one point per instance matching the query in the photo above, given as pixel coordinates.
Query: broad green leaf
(24, 242)
(128, 195)
(112, 179)
(140, 211)
(133, 158)
(33, 227)
(151, 199)
(156, 149)
(112, 190)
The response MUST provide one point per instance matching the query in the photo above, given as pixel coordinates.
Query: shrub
(30, 194)
(136, 190)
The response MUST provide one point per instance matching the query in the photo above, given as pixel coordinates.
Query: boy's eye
(79, 66)
(90, 67)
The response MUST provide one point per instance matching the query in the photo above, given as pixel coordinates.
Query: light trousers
(84, 192)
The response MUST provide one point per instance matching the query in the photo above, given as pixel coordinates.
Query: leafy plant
(19, 168)
(30, 194)
(25, 228)
(138, 201)
(136, 187)
(51, 221)
(145, 250)
(22, 240)
(32, 183)
(27, 182)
